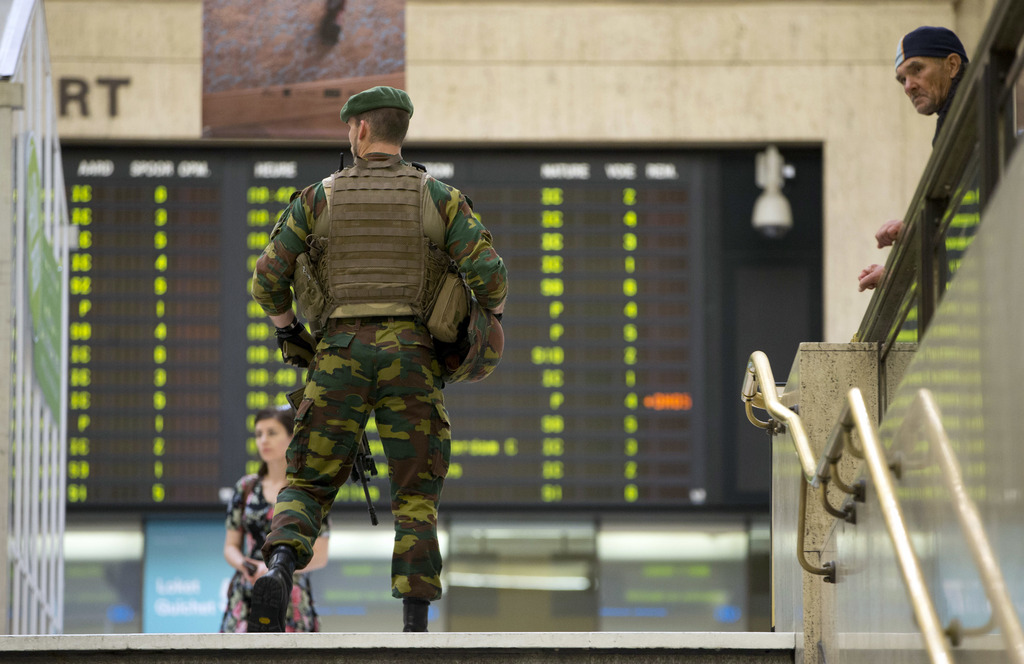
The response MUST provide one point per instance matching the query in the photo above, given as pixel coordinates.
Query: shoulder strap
(433, 225)
(248, 487)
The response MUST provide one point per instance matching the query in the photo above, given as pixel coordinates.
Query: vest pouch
(450, 308)
(295, 398)
(309, 295)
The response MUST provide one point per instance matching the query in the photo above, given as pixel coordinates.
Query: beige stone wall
(693, 73)
(971, 19)
(127, 69)
(588, 72)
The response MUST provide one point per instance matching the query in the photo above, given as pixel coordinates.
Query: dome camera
(772, 215)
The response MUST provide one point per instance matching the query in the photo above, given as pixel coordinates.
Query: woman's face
(272, 439)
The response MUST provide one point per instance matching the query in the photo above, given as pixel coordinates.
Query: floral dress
(250, 512)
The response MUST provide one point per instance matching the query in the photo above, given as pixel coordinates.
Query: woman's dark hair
(284, 416)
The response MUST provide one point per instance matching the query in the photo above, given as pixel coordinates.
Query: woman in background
(248, 523)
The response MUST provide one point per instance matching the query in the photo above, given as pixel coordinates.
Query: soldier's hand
(296, 344)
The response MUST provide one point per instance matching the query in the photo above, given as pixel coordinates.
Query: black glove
(296, 344)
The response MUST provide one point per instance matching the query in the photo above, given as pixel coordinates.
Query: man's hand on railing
(870, 276)
(889, 233)
(886, 236)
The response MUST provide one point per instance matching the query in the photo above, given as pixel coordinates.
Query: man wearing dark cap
(373, 228)
(930, 63)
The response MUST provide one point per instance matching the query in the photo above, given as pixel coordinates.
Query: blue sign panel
(185, 579)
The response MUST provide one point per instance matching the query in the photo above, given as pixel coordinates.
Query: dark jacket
(949, 100)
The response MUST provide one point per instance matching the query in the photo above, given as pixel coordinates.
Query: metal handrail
(840, 441)
(759, 374)
(828, 473)
(855, 414)
(827, 570)
(1003, 611)
(855, 417)
(924, 407)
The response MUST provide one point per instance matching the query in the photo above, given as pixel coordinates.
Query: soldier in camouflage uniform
(376, 355)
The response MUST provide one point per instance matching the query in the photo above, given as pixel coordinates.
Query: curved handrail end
(759, 376)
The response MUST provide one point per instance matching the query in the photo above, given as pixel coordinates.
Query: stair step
(426, 648)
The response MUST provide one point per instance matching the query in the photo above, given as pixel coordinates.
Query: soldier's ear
(363, 132)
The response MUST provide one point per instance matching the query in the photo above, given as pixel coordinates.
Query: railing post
(11, 97)
(933, 254)
(992, 120)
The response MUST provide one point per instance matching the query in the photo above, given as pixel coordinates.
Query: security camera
(772, 215)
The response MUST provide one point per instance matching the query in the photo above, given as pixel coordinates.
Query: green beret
(379, 97)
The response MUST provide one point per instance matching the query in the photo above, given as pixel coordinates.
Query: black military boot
(414, 611)
(272, 592)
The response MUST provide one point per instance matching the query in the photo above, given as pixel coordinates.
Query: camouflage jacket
(466, 240)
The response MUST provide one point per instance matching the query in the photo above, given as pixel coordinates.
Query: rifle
(362, 465)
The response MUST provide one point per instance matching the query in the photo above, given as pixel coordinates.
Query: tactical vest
(378, 240)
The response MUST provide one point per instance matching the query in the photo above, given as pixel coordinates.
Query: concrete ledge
(455, 647)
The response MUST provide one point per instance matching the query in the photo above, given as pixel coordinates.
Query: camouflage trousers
(386, 366)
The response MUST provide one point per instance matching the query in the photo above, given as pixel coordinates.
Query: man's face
(927, 81)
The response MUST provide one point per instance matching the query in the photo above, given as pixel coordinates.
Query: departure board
(597, 402)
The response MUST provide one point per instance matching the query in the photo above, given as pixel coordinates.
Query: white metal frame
(32, 436)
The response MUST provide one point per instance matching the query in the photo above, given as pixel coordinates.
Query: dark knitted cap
(929, 42)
